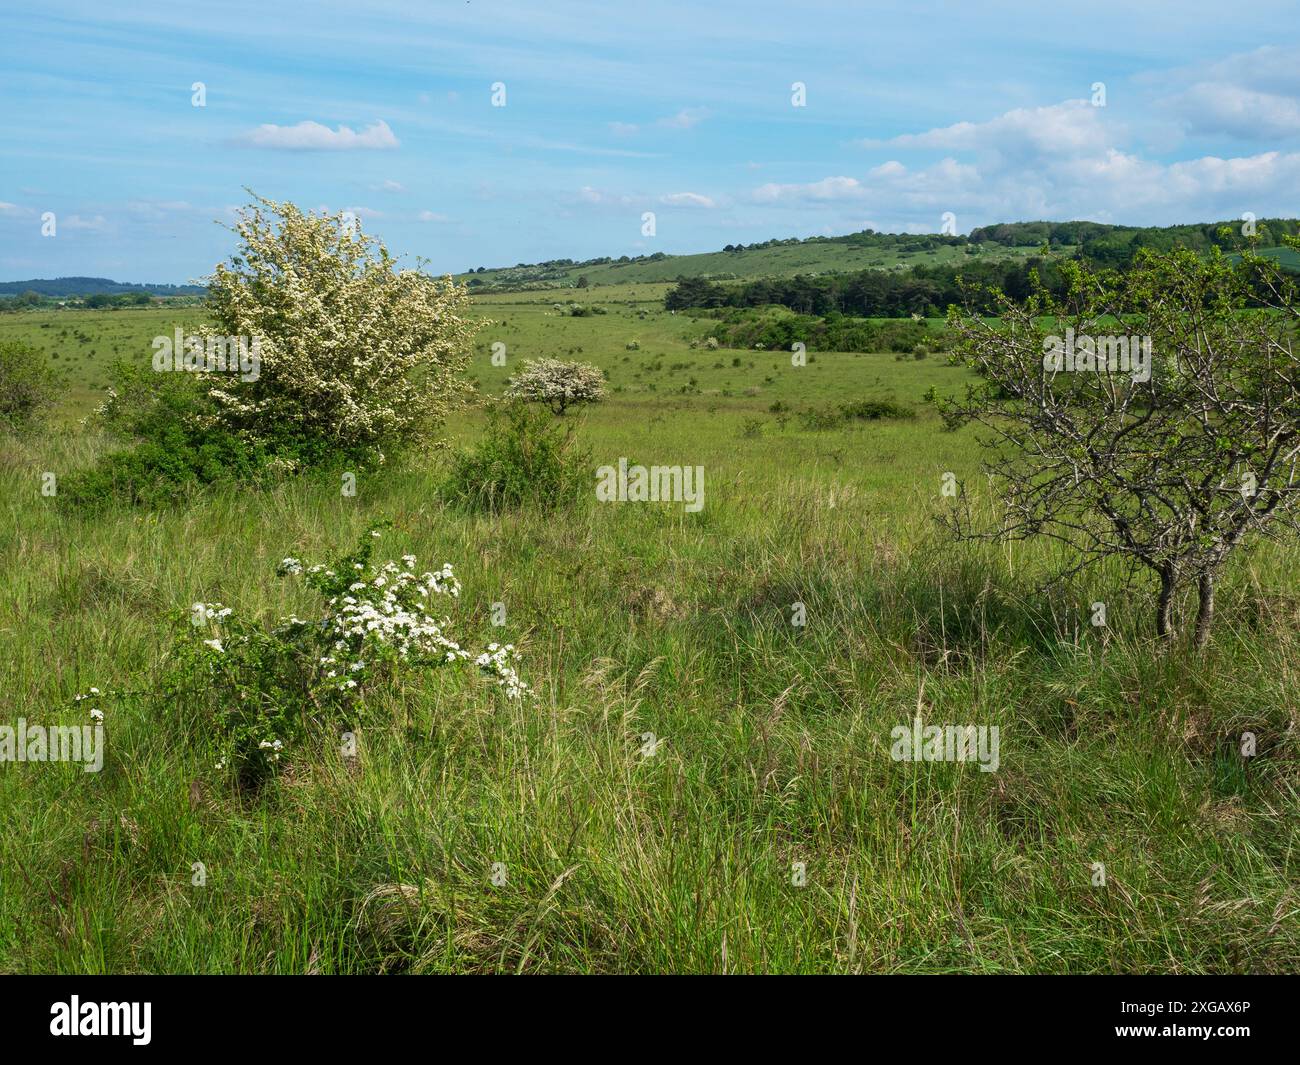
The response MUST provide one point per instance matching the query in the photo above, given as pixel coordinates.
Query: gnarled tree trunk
(1166, 624)
(1205, 610)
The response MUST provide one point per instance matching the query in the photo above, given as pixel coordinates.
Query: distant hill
(1104, 244)
(1100, 243)
(867, 250)
(92, 286)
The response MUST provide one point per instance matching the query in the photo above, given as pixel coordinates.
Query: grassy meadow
(690, 750)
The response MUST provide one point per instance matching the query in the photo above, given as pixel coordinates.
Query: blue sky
(684, 109)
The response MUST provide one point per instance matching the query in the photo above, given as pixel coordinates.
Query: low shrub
(875, 410)
(175, 445)
(526, 457)
(776, 329)
(820, 419)
(29, 386)
(824, 418)
(260, 690)
(250, 691)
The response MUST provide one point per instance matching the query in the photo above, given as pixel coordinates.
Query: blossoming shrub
(263, 689)
(354, 357)
(526, 457)
(558, 384)
(356, 354)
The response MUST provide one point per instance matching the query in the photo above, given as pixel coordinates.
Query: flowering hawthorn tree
(557, 384)
(355, 352)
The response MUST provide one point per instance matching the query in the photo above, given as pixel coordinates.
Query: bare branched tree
(1151, 415)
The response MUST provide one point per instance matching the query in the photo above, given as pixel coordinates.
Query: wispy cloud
(1215, 107)
(686, 118)
(1251, 96)
(686, 199)
(831, 188)
(313, 137)
(601, 198)
(95, 224)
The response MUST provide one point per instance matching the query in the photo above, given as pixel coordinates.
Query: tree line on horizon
(928, 290)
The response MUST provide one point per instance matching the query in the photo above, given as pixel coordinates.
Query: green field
(86, 343)
(83, 344)
(1289, 258)
(773, 739)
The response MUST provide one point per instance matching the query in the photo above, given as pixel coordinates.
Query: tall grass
(645, 629)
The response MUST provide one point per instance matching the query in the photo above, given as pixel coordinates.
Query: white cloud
(388, 186)
(1217, 107)
(430, 216)
(891, 169)
(685, 118)
(96, 223)
(1068, 128)
(312, 136)
(600, 198)
(686, 199)
(1057, 162)
(1252, 96)
(159, 210)
(623, 129)
(831, 188)
(1061, 161)
(1272, 68)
